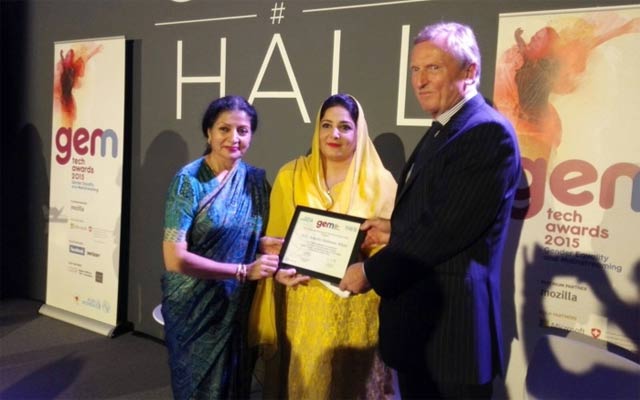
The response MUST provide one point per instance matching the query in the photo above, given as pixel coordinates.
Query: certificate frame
(321, 244)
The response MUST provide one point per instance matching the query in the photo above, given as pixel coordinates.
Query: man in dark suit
(439, 275)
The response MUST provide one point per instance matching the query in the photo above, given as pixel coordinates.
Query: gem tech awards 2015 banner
(86, 182)
(568, 82)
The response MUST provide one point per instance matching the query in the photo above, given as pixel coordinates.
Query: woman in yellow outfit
(327, 341)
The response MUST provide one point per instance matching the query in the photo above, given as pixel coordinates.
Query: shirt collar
(447, 115)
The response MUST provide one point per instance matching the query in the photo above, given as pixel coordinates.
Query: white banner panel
(86, 178)
(568, 82)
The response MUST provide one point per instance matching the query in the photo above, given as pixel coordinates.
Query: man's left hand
(354, 279)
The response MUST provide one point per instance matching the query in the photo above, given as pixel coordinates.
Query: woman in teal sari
(216, 210)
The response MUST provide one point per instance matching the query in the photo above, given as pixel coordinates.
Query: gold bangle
(239, 272)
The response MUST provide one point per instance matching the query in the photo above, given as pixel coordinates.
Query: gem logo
(81, 142)
(574, 183)
(595, 332)
(325, 224)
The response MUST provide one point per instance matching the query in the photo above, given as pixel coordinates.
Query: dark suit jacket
(439, 276)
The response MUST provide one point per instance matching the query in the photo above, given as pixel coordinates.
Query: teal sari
(206, 320)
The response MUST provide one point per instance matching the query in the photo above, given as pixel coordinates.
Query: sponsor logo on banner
(76, 249)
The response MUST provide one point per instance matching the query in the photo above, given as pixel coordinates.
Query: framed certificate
(321, 244)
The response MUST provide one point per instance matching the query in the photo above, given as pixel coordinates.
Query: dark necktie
(429, 137)
(424, 143)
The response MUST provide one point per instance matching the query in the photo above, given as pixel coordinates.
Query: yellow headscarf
(367, 191)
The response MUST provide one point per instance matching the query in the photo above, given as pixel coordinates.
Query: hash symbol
(277, 14)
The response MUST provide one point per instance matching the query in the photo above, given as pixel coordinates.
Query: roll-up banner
(568, 81)
(86, 183)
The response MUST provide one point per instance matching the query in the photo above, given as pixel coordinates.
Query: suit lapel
(447, 134)
(409, 165)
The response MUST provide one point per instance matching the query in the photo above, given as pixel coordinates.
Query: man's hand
(378, 232)
(354, 279)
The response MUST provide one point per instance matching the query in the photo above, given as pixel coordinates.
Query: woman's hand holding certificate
(321, 243)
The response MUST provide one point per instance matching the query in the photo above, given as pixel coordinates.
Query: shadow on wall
(25, 220)
(512, 244)
(566, 368)
(541, 274)
(391, 151)
(166, 154)
(615, 372)
(547, 302)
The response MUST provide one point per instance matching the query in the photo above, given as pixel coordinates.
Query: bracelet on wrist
(241, 273)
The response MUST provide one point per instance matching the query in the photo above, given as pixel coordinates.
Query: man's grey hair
(457, 39)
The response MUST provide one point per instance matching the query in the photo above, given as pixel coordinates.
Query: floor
(43, 358)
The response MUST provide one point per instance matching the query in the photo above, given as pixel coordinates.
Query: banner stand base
(78, 320)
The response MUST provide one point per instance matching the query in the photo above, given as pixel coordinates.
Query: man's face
(437, 78)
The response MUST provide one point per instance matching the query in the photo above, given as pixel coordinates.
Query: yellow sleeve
(262, 318)
(281, 203)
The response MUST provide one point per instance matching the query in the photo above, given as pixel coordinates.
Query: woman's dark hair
(342, 100)
(228, 103)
